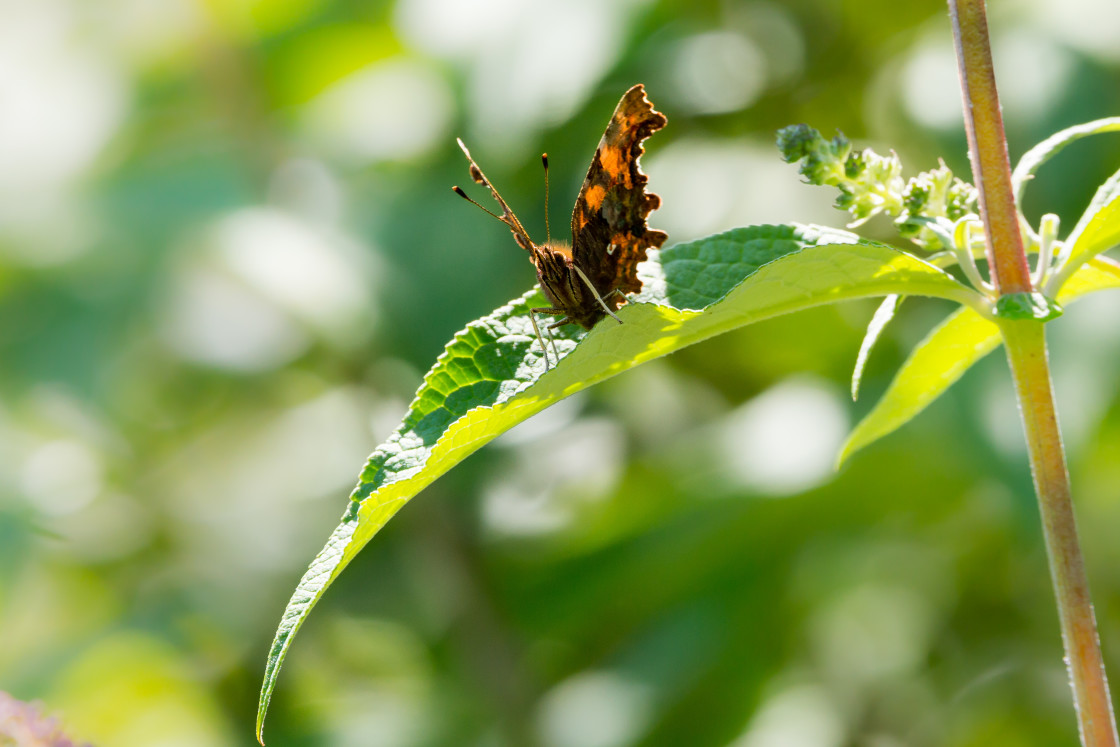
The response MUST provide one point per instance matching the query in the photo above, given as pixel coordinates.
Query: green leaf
(933, 366)
(1032, 305)
(879, 321)
(1098, 230)
(947, 352)
(492, 376)
(1051, 146)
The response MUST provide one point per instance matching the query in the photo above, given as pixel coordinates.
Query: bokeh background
(229, 251)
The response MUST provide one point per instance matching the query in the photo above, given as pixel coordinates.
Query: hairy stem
(987, 148)
(1026, 352)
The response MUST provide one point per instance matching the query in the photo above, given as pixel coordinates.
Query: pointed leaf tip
(879, 321)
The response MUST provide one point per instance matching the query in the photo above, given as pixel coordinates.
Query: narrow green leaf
(934, 365)
(1098, 230)
(1051, 146)
(947, 352)
(883, 315)
(491, 376)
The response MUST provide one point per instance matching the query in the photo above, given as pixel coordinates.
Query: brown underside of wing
(613, 205)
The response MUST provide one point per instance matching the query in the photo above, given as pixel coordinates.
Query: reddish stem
(987, 148)
(1026, 352)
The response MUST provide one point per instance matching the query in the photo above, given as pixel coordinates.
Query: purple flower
(25, 725)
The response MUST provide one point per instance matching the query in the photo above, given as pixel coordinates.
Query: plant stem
(987, 148)
(1026, 352)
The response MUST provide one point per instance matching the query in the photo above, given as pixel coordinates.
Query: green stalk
(1026, 352)
(1025, 341)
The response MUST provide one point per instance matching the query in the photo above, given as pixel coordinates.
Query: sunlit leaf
(1097, 231)
(492, 376)
(947, 352)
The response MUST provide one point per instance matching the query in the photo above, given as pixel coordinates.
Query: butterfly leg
(595, 293)
(533, 318)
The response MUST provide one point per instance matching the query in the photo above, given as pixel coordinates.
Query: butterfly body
(589, 279)
(565, 289)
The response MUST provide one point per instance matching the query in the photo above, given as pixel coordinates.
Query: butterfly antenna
(547, 230)
(467, 197)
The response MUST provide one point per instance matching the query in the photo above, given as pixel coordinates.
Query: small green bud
(908, 230)
(962, 200)
(870, 184)
(931, 195)
(855, 165)
(797, 141)
(915, 197)
(822, 160)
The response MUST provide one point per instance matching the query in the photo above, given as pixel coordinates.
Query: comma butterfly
(588, 280)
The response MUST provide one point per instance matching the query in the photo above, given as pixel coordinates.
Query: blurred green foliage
(228, 251)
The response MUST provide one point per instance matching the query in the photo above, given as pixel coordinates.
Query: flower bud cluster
(871, 184)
